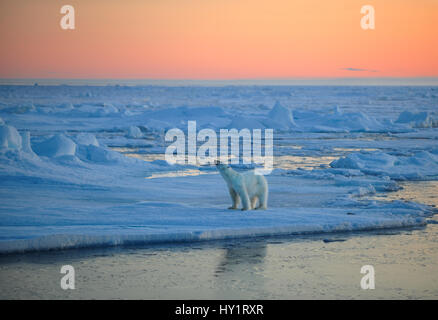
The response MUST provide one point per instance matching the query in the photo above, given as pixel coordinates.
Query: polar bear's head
(221, 166)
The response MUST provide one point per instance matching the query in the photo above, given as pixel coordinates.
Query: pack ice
(80, 166)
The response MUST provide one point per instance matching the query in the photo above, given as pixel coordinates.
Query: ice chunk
(102, 155)
(56, 146)
(25, 141)
(280, 118)
(422, 165)
(99, 110)
(364, 191)
(9, 137)
(87, 139)
(365, 160)
(417, 120)
(336, 110)
(134, 132)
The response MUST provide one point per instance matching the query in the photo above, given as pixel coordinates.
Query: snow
(134, 132)
(177, 117)
(240, 122)
(98, 110)
(87, 139)
(418, 120)
(25, 143)
(9, 137)
(97, 154)
(171, 211)
(311, 121)
(63, 184)
(419, 166)
(280, 118)
(56, 146)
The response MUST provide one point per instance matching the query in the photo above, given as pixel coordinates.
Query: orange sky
(218, 39)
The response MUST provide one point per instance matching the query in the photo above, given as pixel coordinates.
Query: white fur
(246, 187)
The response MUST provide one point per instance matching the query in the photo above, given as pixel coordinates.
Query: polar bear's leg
(254, 202)
(235, 198)
(263, 200)
(246, 204)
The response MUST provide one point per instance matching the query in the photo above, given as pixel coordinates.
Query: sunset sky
(218, 39)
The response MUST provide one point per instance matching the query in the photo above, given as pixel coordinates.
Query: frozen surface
(419, 166)
(82, 166)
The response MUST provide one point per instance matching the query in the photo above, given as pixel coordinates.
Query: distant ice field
(84, 166)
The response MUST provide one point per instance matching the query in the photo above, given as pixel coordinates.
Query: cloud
(358, 69)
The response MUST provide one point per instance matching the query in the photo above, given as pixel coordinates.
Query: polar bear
(246, 187)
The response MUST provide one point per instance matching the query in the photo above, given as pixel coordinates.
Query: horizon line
(323, 81)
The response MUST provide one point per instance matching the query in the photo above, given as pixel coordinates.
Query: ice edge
(68, 241)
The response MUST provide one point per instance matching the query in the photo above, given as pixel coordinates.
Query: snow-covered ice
(81, 166)
(419, 166)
